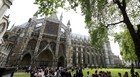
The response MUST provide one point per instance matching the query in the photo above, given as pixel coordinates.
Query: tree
(126, 46)
(100, 14)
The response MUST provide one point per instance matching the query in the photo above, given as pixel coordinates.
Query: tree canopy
(100, 16)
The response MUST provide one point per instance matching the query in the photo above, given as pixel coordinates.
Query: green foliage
(48, 7)
(127, 46)
(98, 36)
(98, 14)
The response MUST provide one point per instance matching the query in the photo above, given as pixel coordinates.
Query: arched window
(43, 44)
(31, 44)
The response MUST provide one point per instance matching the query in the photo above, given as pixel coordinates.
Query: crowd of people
(72, 72)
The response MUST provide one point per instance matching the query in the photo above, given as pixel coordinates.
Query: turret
(68, 24)
(12, 27)
(61, 16)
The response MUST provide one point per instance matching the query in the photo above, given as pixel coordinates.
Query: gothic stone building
(47, 41)
(4, 22)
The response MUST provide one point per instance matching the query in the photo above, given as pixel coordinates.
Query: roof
(53, 18)
(79, 36)
(24, 25)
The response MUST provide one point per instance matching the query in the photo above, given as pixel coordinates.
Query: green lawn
(22, 75)
(113, 71)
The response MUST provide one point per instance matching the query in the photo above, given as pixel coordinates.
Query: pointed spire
(12, 27)
(68, 24)
(61, 16)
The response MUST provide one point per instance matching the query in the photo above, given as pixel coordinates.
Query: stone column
(95, 60)
(2, 60)
(58, 43)
(69, 56)
(74, 57)
(90, 57)
(82, 56)
(1, 55)
(37, 46)
(106, 55)
(71, 60)
(86, 58)
(77, 57)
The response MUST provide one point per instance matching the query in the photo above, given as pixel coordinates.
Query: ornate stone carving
(2, 27)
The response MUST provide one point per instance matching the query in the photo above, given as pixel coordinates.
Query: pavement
(23, 73)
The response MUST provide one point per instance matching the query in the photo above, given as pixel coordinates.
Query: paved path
(23, 73)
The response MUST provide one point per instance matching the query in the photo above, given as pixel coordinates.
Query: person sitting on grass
(137, 74)
(95, 74)
(119, 74)
(125, 74)
(100, 74)
(88, 75)
(38, 74)
(80, 73)
(109, 74)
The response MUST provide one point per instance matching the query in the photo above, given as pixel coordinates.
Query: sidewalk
(23, 73)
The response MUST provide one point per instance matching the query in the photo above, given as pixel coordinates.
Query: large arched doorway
(26, 60)
(45, 58)
(61, 61)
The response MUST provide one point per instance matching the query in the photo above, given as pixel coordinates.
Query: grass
(22, 75)
(114, 72)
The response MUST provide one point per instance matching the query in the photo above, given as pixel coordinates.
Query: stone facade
(4, 6)
(117, 61)
(47, 41)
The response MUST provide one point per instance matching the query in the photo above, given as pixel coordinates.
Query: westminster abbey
(47, 41)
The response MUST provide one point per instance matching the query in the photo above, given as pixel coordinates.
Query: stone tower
(108, 55)
(4, 22)
(68, 39)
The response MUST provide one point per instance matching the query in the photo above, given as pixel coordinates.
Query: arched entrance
(61, 61)
(45, 58)
(26, 60)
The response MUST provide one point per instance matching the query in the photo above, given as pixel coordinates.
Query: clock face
(2, 26)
